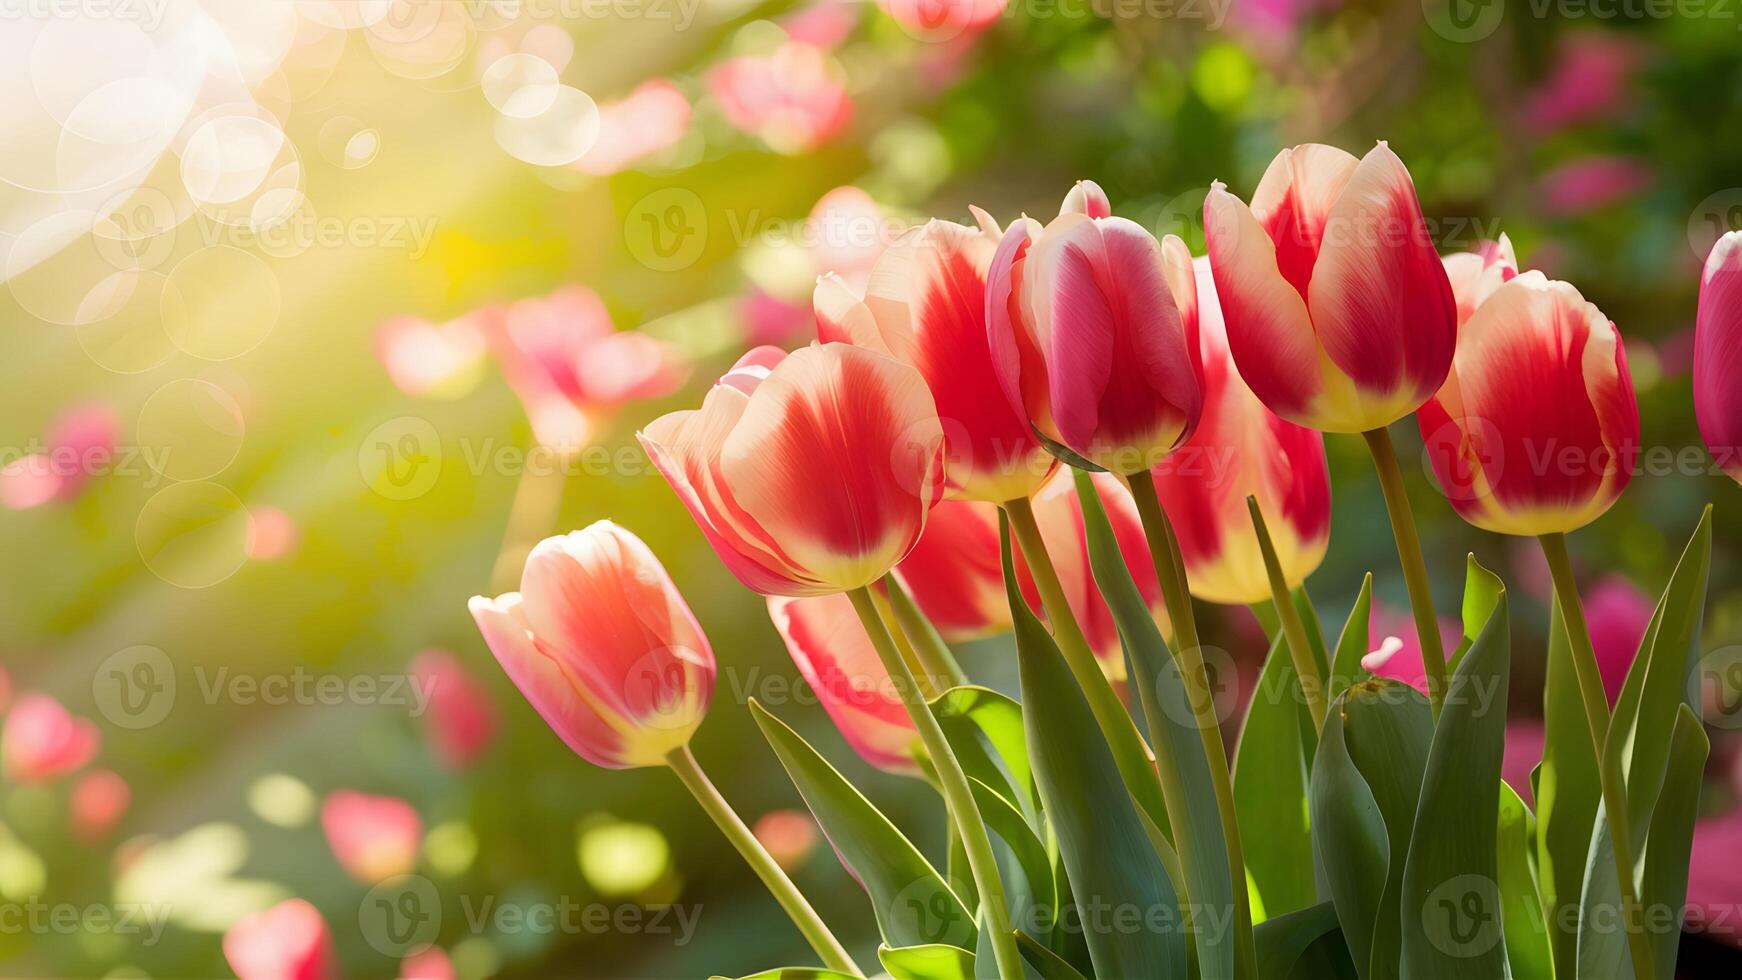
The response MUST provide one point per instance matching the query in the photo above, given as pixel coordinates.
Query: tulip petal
(1016, 358)
(835, 656)
(1718, 354)
(1087, 198)
(1293, 202)
(954, 572)
(842, 317)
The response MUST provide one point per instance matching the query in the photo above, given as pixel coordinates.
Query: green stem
(1421, 599)
(1129, 749)
(928, 644)
(958, 794)
(1590, 682)
(1293, 630)
(1164, 551)
(834, 955)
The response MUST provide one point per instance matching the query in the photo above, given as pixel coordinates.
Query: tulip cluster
(867, 483)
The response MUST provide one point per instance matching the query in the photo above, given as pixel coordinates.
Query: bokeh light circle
(421, 39)
(520, 85)
(347, 143)
(54, 270)
(222, 302)
(131, 338)
(190, 430)
(556, 137)
(193, 535)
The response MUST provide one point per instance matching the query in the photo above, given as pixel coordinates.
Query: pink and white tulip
(374, 837)
(809, 473)
(1339, 313)
(41, 741)
(1474, 276)
(1241, 448)
(1718, 354)
(604, 647)
(955, 574)
(1536, 429)
(1092, 323)
(833, 653)
(289, 941)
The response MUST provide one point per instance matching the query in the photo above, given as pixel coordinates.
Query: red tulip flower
(1338, 310)
(604, 647)
(1241, 448)
(289, 941)
(1536, 429)
(1092, 324)
(1718, 354)
(954, 573)
(835, 657)
(809, 473)
(374, 837)
(41, 741)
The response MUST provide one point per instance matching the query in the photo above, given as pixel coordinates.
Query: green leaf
(932, 962)
(1527, 945)
(1046, 964)
(1481, 594)
(1173, 733)
(913, 905)
(1106, 852)
(1270, 789)
(1451, 910)
(794, 973)
(1352, 644)
(1019, 853)
(1364, 792)
(1669, 845)
(1304, 945)
(985, 729)
(1567, 793)
(1309, 617)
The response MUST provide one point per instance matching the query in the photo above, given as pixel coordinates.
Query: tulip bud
(925, 305)
(954, 572)
(810, 473)
(603, 646)
(289, 941)
(1092, 322)
(829, 646)
(41, 741)
(1339, 312)
(374, 837)
(1241, 449)
(1536, 430)
(1718, 354)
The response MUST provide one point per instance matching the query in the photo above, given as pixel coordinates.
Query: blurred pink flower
(1397, 648)
(1617, 613)
(5, 689)
(1524, 740)
(848, 231)
(99, 801)
(943, 20)
(289, 941)
(823, 24)
(770, 320)
(431, 964)
(644, 122)
(571, 367)
(80, 443)
(789, 835)
(1277, 17)
(41, 741)
(793, 99)
(460, 720)
(1587, 82)
(424, 359)
(1715, 878)
(1593, 182)
(272, 533)
(374, 837)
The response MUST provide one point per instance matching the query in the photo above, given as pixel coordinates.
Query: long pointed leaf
(1270, 789)
(1527, 946)
(1567, 796)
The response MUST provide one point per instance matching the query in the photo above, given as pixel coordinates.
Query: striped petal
(1016, 356)
(1293, 202)
(842, 317)
(954, 572)
(834, 655)
(1087, 198)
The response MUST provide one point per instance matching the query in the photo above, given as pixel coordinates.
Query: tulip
(41, 741)
(422, 359)
(1536, 427)
(1239, 449)
(99, 801)
(603, 646)
(809, 473)
(570, 366)
(79, 445)
(1718, 354)
(1474, 276)
(925, 305)
(459, 719)
(289, 941)
(1092, 323)
(374, 837)
(834, 655)
(1338, 310)
(954, 571)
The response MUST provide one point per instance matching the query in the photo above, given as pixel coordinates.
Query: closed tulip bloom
(1092, 322)
(289, 941)
(603, 646)
(1718, 354)
(374, 837)
(834, 655)
(1536, 429)
(809, 473)
(1339, 312)
(925, 305)
(954, 572)
(41, 741)
(1241, 448)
